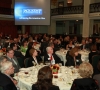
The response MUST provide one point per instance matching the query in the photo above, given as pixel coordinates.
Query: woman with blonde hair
(85, 82)
(73, 57)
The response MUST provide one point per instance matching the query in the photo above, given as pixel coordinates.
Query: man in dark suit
(18, 54)
(6, 82)
(84, 45)
(10, 57)
(51, 57)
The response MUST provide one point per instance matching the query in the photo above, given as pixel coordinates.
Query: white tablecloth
(62, 55)
(64, 80)
(37, 47)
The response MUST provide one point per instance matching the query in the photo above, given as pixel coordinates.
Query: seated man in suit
(10, 57)
(51, 57)
(17, 53)
(6, 69)
(84, 45)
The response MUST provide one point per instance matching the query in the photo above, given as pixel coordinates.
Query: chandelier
(54, 2)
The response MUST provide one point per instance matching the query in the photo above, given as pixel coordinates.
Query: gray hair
(5, 66)
(47, 48)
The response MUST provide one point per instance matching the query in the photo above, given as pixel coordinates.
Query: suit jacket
(39, 59)
(92, 54)
(17, 67)
(97, 77)
(6, 82)
(85, 47)
(56, 58)
(84, 84)
(52, 88)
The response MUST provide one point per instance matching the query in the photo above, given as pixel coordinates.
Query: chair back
(20, 61)
(26, 62)
(1, 88)
(95, 60)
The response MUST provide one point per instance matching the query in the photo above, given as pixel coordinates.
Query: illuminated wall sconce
(69, 2)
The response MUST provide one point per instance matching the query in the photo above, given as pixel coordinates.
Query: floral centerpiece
(55, 68)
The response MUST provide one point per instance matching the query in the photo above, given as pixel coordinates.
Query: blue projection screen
(32, 12)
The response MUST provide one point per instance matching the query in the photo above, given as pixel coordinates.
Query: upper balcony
(67, 10)
(94, 8)
(6, 11)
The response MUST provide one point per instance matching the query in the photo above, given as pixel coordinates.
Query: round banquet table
(62, 55)
(65, 78)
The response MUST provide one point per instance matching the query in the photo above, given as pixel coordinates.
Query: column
(23, 29)
(91, 27)
(66, 27)
(86, 21)
(52, 28)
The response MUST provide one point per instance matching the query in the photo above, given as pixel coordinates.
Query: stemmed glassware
(60, 64)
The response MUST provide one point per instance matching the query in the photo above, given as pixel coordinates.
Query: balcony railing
(67, 10)
(95, 7)
(6, 11)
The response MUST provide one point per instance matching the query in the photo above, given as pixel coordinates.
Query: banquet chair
(26, 62)
(20, 61)
(95, 60)
(1, 88)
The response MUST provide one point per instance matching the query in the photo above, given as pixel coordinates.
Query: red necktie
(51, 57)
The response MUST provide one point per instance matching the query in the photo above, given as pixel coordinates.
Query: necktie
(51, 58)
(14, 61)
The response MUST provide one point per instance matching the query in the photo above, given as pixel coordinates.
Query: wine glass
(60, 64)
(47, 63)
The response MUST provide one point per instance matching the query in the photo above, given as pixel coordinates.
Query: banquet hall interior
(69, 45)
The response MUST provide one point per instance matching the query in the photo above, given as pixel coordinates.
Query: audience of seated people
(49, 45)
(44, 80)
(85, 82)
(35, 59)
